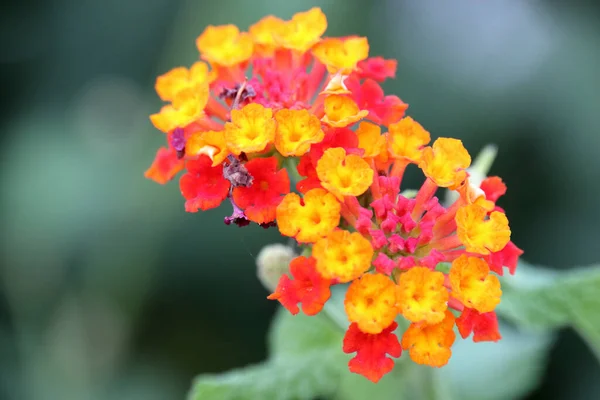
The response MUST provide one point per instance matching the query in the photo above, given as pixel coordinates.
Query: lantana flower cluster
(282, 100)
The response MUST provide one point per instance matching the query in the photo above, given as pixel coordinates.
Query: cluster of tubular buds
(394, 250)
(314, 106)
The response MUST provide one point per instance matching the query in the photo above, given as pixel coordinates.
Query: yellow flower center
(371, 302)
(344, 175)
(473, 285)
(343, 255)
(422, 295)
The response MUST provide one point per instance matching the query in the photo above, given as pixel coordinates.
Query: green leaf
(292, 377)
(356, 387)
(507, 369)
(306, 362)
(298, 334)
(539, 298)
(334, 308)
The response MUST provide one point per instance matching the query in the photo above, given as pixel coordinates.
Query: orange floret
(341, 55)
(225, 45)
(251, 129)
(406, 139)
(342, 174)
(478, 234)
(371, 359)
(430, 344)
(187, 107)
(210, 143)
(473, 285)
(296, 131)
(483, 326)
(203, 186)
(493, 187)
(264, 34)
(308, 219)
(260, 200)
(422, 295)
(377, 68)
(343, 255)
(307, 287)
(165, 166)
(370, 139)
(169, 118)
(341, 111)
(445, 162)
(171, 83)
(303, 30)
(371, 302)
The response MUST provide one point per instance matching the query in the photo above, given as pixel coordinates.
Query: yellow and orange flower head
(343, 256)
(370, 139)
(173, 82)
(303, 31)
(371, 302)
(344, 174)
(430, 344)
(473, 285)
(445, 162)
(480, 234)
(187, 107)
(342, 111)
(294, 132)
(341, 55)
(251, 129)
(406, 139)
(225, 45)
(265, 35)
(310, 218)
(422, 295)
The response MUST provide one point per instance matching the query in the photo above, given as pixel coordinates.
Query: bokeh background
(108, 289)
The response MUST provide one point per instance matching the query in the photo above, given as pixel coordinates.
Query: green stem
(291, 164)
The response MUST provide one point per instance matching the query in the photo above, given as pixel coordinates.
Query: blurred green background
(108, 289)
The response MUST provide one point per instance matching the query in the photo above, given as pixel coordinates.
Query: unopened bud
(409, 193)
(336, 85)
(273, 261)
(208, 150)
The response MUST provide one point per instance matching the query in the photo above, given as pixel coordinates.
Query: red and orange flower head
(295, 131)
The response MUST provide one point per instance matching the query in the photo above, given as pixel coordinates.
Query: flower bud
(273, 261)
